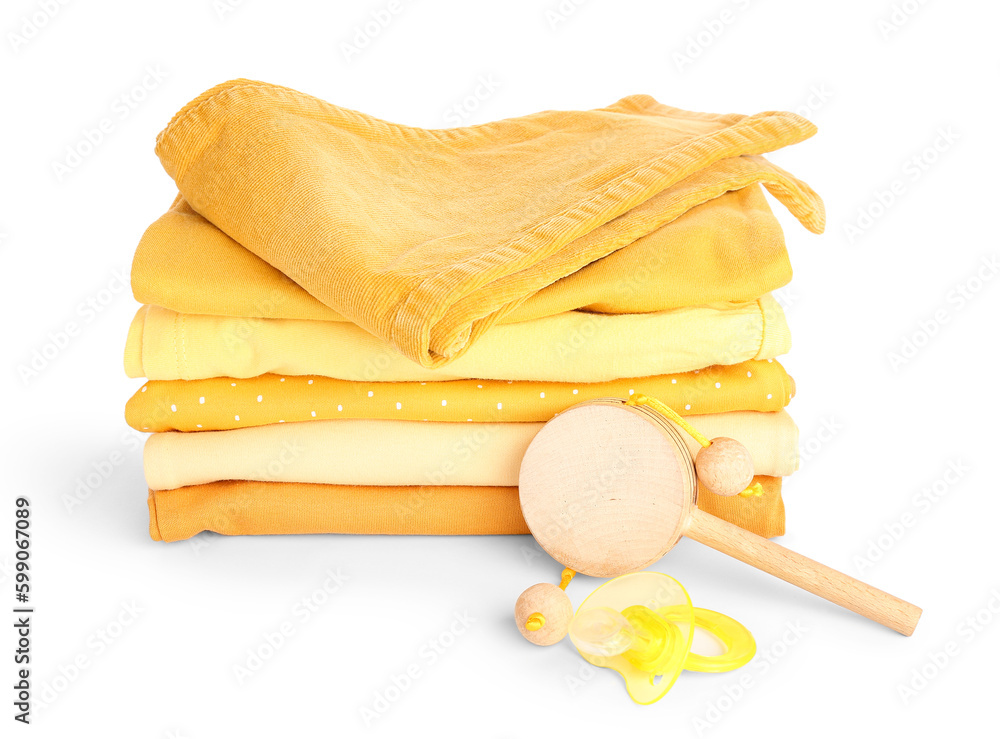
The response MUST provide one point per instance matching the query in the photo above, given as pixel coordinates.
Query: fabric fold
(436, 235)
(241, 507)
(568, 347)
(221, 403)
(729, 249)
(362, 452)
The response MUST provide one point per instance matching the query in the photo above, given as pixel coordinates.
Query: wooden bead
(556, 612)
(725, 467)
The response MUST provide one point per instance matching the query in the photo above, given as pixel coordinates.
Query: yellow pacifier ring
(737, 639)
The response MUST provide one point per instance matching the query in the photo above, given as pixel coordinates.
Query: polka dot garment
(224, 403)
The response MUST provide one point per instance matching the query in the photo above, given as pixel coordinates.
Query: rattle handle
(808, 574)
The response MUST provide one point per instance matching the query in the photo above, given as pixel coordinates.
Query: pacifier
(642, 625)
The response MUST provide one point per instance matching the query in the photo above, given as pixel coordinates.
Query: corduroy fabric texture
(240, 507)
(438, 234)
(729, 249)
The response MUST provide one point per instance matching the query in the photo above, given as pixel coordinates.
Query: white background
(880, 87)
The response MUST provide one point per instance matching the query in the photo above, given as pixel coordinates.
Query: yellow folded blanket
(426, 238)
(221, 403)
(568, 347)
(730, 249)
(362, 452)
(238, 507)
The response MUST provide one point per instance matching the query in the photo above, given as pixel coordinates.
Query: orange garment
(427, 238)
(238, 507)
(763, 514)
(222, 403)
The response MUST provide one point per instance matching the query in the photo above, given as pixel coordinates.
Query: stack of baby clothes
(351, 326)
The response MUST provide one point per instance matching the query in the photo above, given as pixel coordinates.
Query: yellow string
(535, 622)
(662, 408)
(567, 575)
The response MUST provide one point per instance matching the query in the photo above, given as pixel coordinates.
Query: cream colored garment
(361, 452)
(568, 347)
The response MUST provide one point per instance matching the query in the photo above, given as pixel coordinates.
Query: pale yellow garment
(362, 452)
(568, 347)
(426, 238)
(242, 507)
(729, 249)
(221, 403)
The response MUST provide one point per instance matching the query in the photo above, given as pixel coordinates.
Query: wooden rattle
(608, 487)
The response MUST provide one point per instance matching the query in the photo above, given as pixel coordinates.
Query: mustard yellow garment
(221, 403)
(730, 249)
(568, 347)
(379, 452)
(426, 238)
(242, 507)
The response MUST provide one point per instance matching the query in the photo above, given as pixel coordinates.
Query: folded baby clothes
(427, 238)
(221, 403)
(240, 507)
(353, 326)
(729, 249)
(567, 347)
(363, 452)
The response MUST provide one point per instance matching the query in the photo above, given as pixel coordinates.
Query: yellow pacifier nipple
(619, 626)
(601, 631)
(655, 640)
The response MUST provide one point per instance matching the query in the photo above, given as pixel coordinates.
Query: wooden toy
(608, 487)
